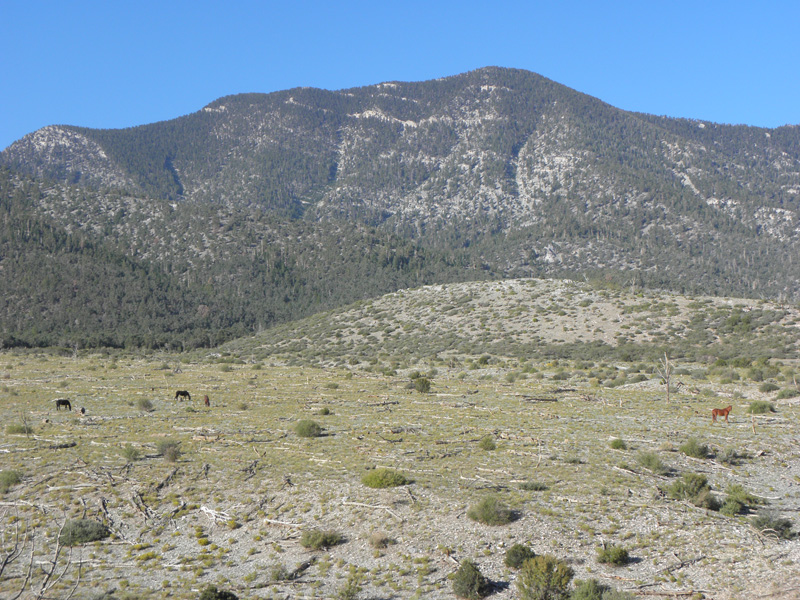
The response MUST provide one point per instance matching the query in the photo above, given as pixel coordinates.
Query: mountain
(266, 207)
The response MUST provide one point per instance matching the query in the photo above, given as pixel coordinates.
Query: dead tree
(665, 372)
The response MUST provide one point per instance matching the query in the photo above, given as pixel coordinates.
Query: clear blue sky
(118, 64)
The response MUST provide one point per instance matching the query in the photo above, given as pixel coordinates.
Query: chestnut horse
(206, 401)
(720, 412)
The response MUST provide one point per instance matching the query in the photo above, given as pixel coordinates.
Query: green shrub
(653, 462)
(308, 429)
(487, 443)
(16, 429)
(422, 384)
(144, 405)
(380, 540)
(730, 456)
(767, 387)
(82, 531)
(694, 488)
(169, 449)
(212, 593)
(787, 393)
(469, 582)
(613, 555)
(732, 507)
(544, 578)
(593, 590)
(766, 521)
(384, 478)
(491, 511)
(316, 539)
(618, 444)
(760, 407)
(516, 555)
(129, 453)
(694, 448)
(533, 486)
(8, 479)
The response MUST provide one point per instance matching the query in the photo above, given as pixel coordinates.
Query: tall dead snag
(665, 372)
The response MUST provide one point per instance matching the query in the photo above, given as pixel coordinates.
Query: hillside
(270, 207)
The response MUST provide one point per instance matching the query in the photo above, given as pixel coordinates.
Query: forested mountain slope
(266, 207)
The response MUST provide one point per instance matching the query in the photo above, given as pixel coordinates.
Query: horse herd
(179, 395)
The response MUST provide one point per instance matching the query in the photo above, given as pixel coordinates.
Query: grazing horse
(720, 412)
(182, 394)
(206, 401)
(63, 402)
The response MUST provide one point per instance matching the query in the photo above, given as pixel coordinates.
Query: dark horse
(182, 394)
(63, 402)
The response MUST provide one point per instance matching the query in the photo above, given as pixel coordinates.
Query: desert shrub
(384, 478)
(491, 511)
(544, 578)
(516, 555)
(593, 590)
(169, 449)
(422, 384)
(533, 486)
(618, 444)
(767, 387)
(324, 411)
(730, 456)
(129, 453)
(787, 393)
(82, 531)
(308, 429)
(694, 448)
(652, 461)
(16, 429)
(613, 555)
(469, 582)
(144, 405)
(8, 479)
(316, 539)
(767, 521)
(694, 488)
(760, 407)
(212, 593)
(487, 443)
(732, 507)
(736, 492)
(380, 540)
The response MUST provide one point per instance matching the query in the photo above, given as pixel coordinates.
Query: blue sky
(119, 64)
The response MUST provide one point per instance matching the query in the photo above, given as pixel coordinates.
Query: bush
(730, 456)
(618, 444)
(544, 578)
(308, 429)
(692, 447)
(316, 539)
(379, 540)
(384, 478)
(768, 387)
(533, 486)
(82, 531)
(491, 511)
(468, 582)
(422, 384)
(518, 554)
(15, 429)
(760, 407)
(694, 488)
(593, 590)
(487, 443)
(144, 405)
(169, 449)
(768, 522)
(653, 462)
(9, 478)
(212, 593)
(787, 393)
(613, 555)
(129, 453)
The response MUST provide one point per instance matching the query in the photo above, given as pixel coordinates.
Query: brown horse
(206, 401)
(182, 394)
(63, 402)
(720, 412)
